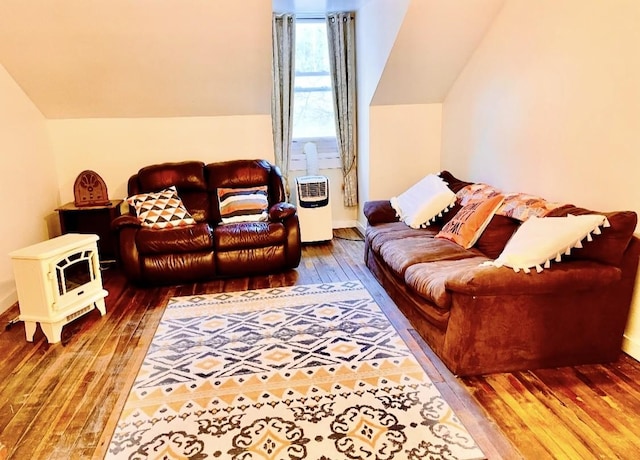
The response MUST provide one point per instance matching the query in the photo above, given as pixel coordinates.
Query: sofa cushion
(469, 223)
(496, 235)
(379, 212)
(608, 247)
(453, 182)
(242, 174)
(429, 279)
(163, 209)
(377, 235)
(246, 235)
(193, 238)
(187, 175)
(401, 253)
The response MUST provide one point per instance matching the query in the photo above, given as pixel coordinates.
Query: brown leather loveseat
(208, 248)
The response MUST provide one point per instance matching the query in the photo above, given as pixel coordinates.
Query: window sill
(328, 157)
(325, 161)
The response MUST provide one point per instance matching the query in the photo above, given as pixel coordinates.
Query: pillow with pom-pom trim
(539, 240)
(424, 201)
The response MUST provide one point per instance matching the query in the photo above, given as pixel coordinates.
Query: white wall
(116, 148)
(29, 184)
(377, 25)
(404, 147)
(550, 104)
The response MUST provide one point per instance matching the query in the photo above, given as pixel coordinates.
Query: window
(313, 115)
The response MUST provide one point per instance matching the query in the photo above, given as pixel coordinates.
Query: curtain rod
(312, 15)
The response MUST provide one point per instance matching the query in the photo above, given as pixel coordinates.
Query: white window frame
(328, 156)
(327, 147)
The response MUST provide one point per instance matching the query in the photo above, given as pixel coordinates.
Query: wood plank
(63, 401)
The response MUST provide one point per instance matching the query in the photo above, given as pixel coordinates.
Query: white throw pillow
(542, 239)
(424, 201)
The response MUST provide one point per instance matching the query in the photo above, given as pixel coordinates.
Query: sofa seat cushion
(174, 268)
(247, 235)
(399, 255)
(378, 235)
(193, 238)
(429, 279)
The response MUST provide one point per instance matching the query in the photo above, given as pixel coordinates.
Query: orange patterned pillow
(521, 206)
(468, 224)
(476, 192)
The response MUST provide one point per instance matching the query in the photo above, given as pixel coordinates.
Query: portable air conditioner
(314, 208)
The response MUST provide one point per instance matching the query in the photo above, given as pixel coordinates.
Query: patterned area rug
(303, 372)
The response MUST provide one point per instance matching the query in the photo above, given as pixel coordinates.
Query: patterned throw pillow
(476, 192)
(521, 206)
(162, 209)
(243, 204)
(468, 224)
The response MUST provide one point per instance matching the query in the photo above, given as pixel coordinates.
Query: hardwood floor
(62, 401)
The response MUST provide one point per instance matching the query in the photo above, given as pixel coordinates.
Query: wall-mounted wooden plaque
(90, 190)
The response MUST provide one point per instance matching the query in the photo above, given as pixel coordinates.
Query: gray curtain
(283, 71)
(342, 56)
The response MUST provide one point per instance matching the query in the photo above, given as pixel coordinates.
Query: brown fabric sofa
(484, 319)
(208, 249)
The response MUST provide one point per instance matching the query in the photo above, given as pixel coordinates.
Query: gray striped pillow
(243, 204)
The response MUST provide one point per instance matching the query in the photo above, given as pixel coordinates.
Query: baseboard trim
(344, 224)
(631, 346)
(8, 300)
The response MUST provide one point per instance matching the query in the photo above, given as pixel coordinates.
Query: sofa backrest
(187, 176)
(242, 174)
(608, 247)
(197, 183)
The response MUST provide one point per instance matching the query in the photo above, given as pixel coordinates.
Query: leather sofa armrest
(561, 277)
(379, 212)
(125, 220)
(125, 228)
(281, 211)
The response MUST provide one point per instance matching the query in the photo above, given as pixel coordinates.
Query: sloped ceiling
(436, 40)
(181, 58)
(142, 58)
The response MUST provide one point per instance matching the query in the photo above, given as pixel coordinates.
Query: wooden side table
(92, 219)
